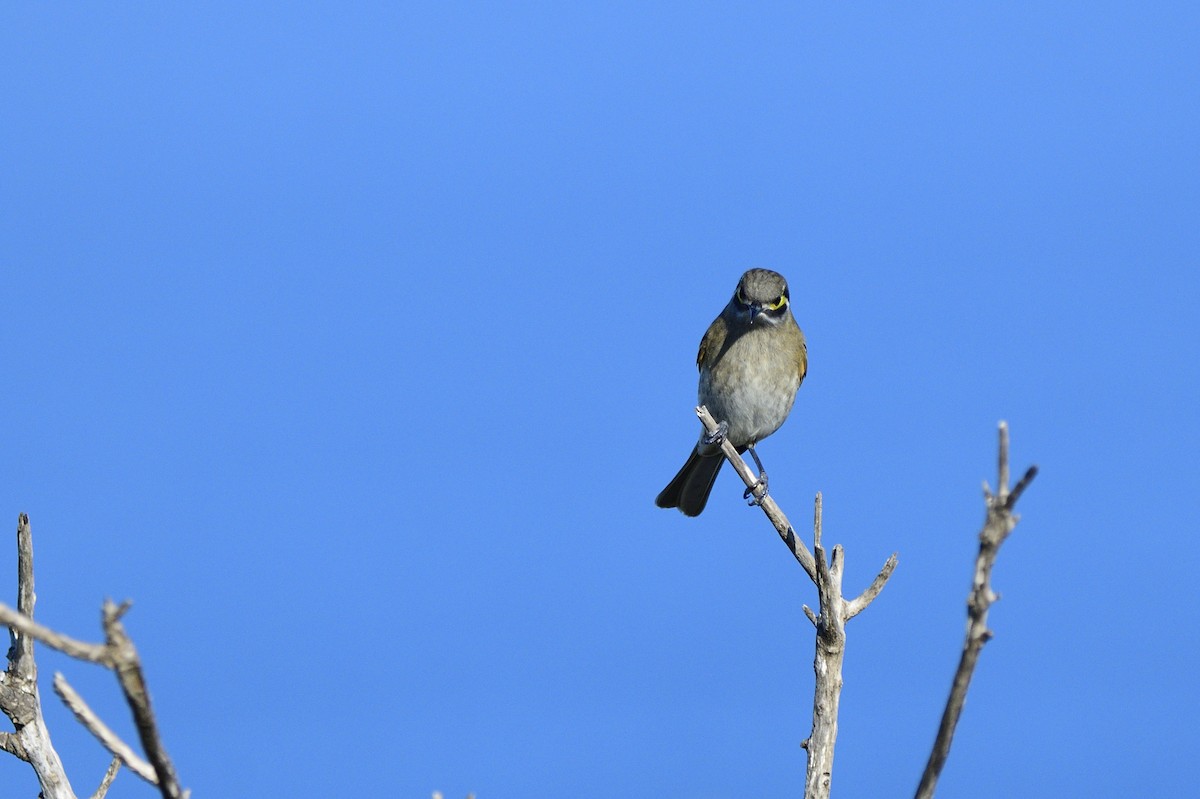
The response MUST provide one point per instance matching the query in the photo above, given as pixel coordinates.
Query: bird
(752, 361)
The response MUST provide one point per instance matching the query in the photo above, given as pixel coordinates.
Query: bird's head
(761, 297)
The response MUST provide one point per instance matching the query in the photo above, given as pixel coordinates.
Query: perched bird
(752, 361)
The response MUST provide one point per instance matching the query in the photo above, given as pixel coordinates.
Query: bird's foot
(717, 437)
(752, 495)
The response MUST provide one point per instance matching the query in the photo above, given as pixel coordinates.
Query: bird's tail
(690, 489)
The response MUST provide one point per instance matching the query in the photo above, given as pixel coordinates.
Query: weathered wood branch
(128, 668)
(768, 505)
(121, 751)
(30, 630)
(827, 663)
(109, 776)
(19, 697)
(999, 522)
(830, 620)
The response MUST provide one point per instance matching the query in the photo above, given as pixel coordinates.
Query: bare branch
(860, 602)
(30, 630)
(998, 523)
(827, 664)
(120, 750)
(128, 667)
(830, 620)
(20, 701)
(774, 514)
(12, 744)
(21, 654)
(109, 776)
(19, 697)
(1021, 485)
(1003, 460)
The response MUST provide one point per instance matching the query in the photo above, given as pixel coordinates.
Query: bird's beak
(755, 310)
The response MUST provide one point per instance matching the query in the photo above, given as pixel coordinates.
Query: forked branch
(830, 619)
(998, 523)
(19, 698)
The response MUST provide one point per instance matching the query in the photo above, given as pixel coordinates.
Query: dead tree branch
(774, 514)
(998, 523)
(19, 697)
(830, 620)
(121, 751)
(831, 652)
(128, 668)
(109, 776)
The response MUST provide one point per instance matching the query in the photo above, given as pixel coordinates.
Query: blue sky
(354, 341)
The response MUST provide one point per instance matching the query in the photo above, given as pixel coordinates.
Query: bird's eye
(740, 297)
(779, 303)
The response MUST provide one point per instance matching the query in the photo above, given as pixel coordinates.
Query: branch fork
(998, 523)
(20, 701)
(830, 619)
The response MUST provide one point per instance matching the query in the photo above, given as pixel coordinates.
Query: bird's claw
(751, 495)
(717, 437)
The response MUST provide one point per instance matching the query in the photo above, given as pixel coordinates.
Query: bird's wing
(802, 358)
(710, 345)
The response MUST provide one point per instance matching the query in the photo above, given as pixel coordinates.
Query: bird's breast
(751, 385)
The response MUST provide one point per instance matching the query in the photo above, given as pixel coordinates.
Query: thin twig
(80, 650)
(129, 673)
(107, 738)
(1021, 485)
(998, 523)
(860, 602)
(780, 521)
(768, 505)
(109, 776)
(21, 653)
